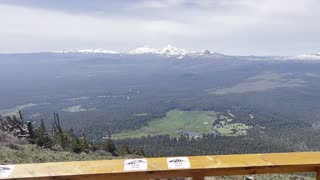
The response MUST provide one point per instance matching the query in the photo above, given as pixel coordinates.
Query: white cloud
(234, 27)
(160, 3)
(23, 26)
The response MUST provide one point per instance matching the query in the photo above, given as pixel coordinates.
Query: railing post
(318, 174)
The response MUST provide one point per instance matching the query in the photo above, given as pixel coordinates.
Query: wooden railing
(156, 168)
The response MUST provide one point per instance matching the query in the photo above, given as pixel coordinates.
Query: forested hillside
(23, 142)
(164, 105)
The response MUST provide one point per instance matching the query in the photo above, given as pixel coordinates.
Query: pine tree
(41, 135)
(140, 153)
(110, 146)
(125, 150)
(77, 145)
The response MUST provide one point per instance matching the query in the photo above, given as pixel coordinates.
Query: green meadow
(173, 123)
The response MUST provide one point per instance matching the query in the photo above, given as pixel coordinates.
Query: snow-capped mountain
(174, 51)
(309, 57)
(144, 50)
(167, 50)
(179, 53)
(89, 51)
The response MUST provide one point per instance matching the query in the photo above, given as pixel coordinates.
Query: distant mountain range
(179, 53)
(168, 50)
(89, 51)
(306, 57)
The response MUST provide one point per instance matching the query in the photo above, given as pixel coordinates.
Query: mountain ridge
(179, 53)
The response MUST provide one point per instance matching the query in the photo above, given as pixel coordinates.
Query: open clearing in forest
(174, 123)
(225, 126)
(262, 82)
(192, 123)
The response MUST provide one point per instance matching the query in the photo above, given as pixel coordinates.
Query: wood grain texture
(157, 167)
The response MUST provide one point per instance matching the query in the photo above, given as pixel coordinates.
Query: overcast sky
(236, 27)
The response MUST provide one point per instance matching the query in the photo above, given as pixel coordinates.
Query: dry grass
(8, 140)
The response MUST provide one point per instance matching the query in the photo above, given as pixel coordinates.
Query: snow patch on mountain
(89, 51)
(315, 56)
(179, 53)
(174, 51)
(144, 50)
(168, 50)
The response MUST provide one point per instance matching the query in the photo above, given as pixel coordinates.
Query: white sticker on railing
(6, 170)
(178, 163)
(135, 165)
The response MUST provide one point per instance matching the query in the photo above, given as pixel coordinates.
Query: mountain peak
(174, 51)
(144, 50)
(168, 50)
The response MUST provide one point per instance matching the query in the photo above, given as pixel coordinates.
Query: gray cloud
(228, 26)
(71, 6)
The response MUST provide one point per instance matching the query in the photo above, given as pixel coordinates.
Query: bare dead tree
(17, 126)
(56, 126)
(21, 117)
